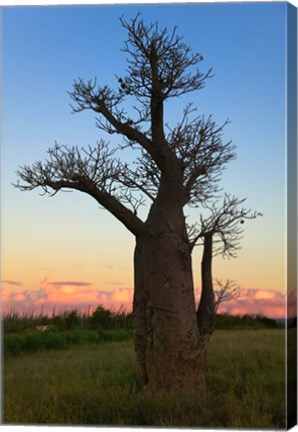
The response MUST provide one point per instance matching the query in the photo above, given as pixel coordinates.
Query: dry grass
(97, 385)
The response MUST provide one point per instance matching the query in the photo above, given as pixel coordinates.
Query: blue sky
(46, 48)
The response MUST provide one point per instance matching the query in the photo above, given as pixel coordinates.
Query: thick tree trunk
(167, 341)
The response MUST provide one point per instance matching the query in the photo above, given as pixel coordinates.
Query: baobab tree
(174, 167)
(219, 234)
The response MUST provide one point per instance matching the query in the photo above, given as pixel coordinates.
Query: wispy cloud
(115, 283)
(11, 282)
(68, 283)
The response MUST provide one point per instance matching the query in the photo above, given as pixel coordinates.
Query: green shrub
(81, 336)
(53, 340)
(12, 343)
(32, 341)
(235, 322)
(115, 335)
(72, 319)
(101, 318)
(26, 342)
(67, 320)
(267, 322)
(59, 322)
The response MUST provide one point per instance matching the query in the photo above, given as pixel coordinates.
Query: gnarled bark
(167, 339)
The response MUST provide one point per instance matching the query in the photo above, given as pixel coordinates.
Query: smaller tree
(101, 318)
(220, 234)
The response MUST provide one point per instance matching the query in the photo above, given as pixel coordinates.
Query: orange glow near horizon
(85, 277)
(70, 265)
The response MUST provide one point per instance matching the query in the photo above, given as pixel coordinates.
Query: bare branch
(226, 291)
(202, 153)
(225, 224)
(176, 66)
(92, 171)
(160, 66)
(138, 180)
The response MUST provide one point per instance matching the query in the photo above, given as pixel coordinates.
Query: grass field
(96, 384)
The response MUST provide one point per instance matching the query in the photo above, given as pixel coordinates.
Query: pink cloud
(65, 295)
(270, 303)
(116, 299)
(265, 302)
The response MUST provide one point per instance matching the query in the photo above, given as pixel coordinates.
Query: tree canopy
(159, 66)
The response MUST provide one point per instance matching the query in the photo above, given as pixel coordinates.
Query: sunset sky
(65, 251)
